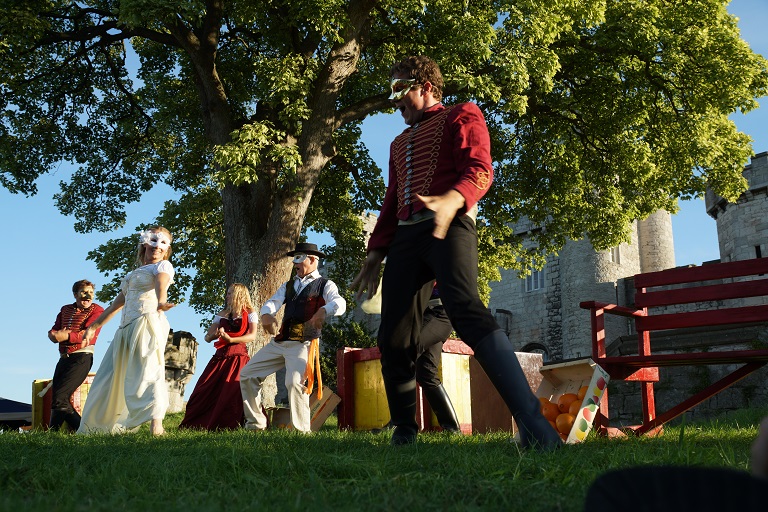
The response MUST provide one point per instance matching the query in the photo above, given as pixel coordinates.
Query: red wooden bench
(742, 279)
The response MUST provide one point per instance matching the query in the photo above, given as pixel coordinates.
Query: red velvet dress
(216, 402)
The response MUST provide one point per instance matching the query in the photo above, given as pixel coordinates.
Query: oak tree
(601, 113)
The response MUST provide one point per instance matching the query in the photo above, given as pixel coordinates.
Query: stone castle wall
(742, 228)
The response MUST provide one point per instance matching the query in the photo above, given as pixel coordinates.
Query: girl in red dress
(216, 402)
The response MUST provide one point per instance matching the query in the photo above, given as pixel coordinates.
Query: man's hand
(445, 208)
(59, 336)
(368, 277)
(318, 318)
(268, 323)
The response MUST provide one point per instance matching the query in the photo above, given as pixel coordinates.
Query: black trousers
(70, 373)
(435, 328)
(414, 260)
(676, 489)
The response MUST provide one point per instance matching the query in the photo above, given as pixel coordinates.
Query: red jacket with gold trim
(76, 320)
(450, 148)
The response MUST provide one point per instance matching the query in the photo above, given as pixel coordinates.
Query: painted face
(155, 239)
(400, 87)
(84, 296)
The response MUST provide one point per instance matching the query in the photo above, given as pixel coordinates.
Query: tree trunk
(259, 229)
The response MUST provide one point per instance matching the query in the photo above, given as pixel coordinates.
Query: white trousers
(291, 355)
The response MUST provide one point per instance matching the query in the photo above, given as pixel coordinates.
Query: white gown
(129, 387)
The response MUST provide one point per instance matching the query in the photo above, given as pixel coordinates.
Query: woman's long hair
(241, 299)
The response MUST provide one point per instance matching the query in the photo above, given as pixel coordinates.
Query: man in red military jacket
(439, 167)
(76, 355)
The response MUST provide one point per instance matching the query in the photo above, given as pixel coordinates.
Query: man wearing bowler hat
(309, 299)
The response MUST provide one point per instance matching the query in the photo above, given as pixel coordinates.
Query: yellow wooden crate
(364, 400)
(371, 409)
(42, 394)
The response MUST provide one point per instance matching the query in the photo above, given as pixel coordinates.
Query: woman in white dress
(129, 387)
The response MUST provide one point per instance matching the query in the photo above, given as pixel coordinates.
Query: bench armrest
(612, 308)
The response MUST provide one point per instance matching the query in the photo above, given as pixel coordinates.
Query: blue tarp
(11, 410)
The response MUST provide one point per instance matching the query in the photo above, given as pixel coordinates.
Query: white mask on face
(155, 239)
(299, 257)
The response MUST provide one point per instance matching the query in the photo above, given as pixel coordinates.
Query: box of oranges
(570, 394)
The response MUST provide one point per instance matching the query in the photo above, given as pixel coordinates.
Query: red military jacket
(76, 320)
(450, 148)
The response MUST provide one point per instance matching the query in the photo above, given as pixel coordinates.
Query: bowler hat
(305, 248)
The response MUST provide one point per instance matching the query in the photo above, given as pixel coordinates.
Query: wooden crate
(42, 395)
(363, 399)
(489, 412)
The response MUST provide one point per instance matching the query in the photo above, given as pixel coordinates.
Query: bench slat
(703, 273)
(731, 357)
(725, 291)
(702, 318)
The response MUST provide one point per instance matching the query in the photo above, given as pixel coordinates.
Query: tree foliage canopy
(601, 112)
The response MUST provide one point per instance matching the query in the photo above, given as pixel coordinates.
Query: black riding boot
(441, 405)
(58, 417)
(56, 421)
(497, 357)
(402, 411)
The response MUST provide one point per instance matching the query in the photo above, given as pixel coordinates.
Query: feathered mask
(154, 239)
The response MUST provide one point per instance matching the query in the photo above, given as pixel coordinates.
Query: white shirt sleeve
(335, 305)
(274, 303)
(166, 268)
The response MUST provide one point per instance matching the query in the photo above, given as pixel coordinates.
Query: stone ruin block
(180, 362)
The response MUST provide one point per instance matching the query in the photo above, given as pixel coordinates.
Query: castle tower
(655, 242)
(541, 312)
(742, 227)
(587, 274)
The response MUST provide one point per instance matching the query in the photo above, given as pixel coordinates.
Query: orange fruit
(564, 402)
(564, 423)
(550, 411)
(543, 400)
(575, 407)
(582, 392)
(554, 427)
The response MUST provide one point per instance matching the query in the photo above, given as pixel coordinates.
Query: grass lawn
(332, 470)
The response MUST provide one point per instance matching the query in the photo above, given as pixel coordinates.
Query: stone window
(616, 255)
(534, 280)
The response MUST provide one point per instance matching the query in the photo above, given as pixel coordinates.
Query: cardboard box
(279, 417)
(569, 377)
(319, 410)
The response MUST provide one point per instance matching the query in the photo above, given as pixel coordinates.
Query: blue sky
(44, 255)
